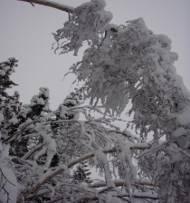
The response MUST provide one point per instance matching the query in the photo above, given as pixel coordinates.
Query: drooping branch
(51, 4)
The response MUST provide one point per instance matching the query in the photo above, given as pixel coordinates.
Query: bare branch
(51, 4)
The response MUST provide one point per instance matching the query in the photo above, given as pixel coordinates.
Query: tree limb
(112, 150)
(51, 4)
(119, 183)
(142, 195)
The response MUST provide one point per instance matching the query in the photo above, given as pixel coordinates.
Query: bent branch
(51, 4)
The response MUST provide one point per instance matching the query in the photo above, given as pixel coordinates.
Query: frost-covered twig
(51, 4)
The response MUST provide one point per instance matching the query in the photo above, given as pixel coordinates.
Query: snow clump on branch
(86, 23)
(125, 65)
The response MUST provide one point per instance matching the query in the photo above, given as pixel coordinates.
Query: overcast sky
(26, 35)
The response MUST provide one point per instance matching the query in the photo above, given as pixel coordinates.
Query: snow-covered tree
(51, 156)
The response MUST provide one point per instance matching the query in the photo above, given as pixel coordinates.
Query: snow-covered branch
(50, 174)
(32, 151)
(142, 195)
(119, 183)
(51, 4)
(112, 150)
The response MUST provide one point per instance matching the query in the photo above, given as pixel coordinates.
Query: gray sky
(26, 35)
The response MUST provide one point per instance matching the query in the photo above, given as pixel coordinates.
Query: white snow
(1, 117)
(184, 117)
(10, 187)
(179, 131)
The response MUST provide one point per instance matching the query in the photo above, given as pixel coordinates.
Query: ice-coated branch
(51, 4)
